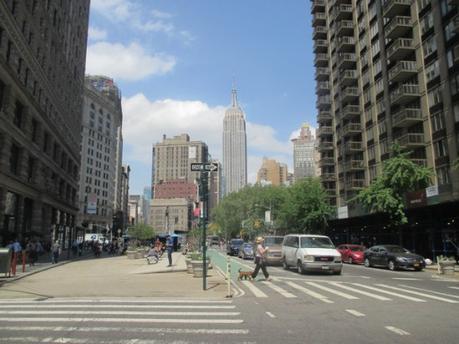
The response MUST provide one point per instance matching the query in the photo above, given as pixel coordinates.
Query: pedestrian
(31, 250)
(55, 251)
(260, 259)
(170, 248)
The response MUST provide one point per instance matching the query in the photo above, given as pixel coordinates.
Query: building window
(438, 121)
(2, 93)
(34, 129)
(434, 96)
(371, 152)
(14, 159)
(18, 114)
(454, 84)
(450, 30)
(45, 142)
(456, 112)
(30, 169)
(432, 71)
(426, 22)
(384, 147)
(443, 175)
(429, 46)
(440, 148)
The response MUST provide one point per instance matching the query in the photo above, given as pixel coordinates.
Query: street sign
(204, 167)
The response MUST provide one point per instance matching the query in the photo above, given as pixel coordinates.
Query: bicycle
(152, 259)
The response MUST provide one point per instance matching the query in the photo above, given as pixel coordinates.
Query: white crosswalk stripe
(256, 291)
(310, 292)
(336, 292)
(457, 288)
(53, 321)
(358, 291)
(379, 290)
(280, 290)
(418, 293)
(430, 291)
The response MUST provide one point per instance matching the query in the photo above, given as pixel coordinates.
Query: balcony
(398, 26)
(410, 140)
(328, 177)
(396, 7)
(322, 73)
(342, 11)
(406, 118)
(325, 146)
(320, 46)
(403, 70)
(323, 102)
(404, 94)
(320, 32)
(322, 87)
(319, 18)
(327, 161)
(321, 60)
(346, 44)
(355, 184)
(346, 60)
(351, 147)
(352, 129)
(354, 165)
(401, 48)
(318, 6)
(324, 116)
(349, 94)
(350, 111)
(324, 130)
(348, 77)
(345, 28)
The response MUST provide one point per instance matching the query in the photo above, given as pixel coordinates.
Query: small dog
(244, 275)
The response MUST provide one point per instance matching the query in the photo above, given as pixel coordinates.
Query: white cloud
(117, 10)
(161, 15)
(126, 62)
(146, 121)
(96, 34)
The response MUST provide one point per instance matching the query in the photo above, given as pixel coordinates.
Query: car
(393, 257)
(246, 251)
(274, 254)
(352, 254)
(232, 248)
(310, 252)
(213, 240)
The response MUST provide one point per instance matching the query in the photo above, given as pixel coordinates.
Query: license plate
(416, 264)
(324, 259)
(325, 267)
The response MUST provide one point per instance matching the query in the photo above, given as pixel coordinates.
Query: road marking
(310, 292)
(339, 293)
(127, 320)
(119, 306)
(390, 293)
(397, 330)
(45, 340)
(417, 293)
(431, 291)
(280, 290)
(271, 315)
(377, 297)
(119, 329)
(120, 313)
(257, 292)
(355, 313)
(457, 288)
(405, 279)
(101, 301)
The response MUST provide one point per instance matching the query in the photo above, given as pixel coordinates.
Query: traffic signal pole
(204, 186)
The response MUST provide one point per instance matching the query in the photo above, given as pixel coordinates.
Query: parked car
(352, 254)
(246, 251)
(393, 257)
(233, 246)
(309, 252)
(274, 254)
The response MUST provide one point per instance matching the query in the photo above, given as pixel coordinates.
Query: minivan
(310, 252)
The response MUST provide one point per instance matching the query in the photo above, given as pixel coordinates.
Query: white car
(309, 252)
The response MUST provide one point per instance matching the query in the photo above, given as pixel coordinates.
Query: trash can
(5, 260)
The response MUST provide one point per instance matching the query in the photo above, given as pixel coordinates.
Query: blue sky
(175, 62)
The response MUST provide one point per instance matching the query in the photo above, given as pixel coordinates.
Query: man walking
(170, 248)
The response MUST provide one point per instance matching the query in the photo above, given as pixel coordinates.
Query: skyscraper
(304, 154)
(43, 52)
(234, 148)
(272, 172)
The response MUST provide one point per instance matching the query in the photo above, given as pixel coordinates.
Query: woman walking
(260, 259)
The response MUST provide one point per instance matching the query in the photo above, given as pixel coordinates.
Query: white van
(309, 252)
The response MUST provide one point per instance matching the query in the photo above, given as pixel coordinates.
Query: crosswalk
(331, 291)
(119, 321)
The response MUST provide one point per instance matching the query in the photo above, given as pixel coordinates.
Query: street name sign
(204, 167)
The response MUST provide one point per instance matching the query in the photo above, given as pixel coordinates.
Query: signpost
(205, 169)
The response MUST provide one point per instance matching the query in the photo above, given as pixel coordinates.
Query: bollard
(228, 276)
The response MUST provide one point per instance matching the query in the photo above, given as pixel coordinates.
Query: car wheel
(299, 267)
(391, 265)
(337, 272)
(284, 264)
(418, 269)
(350, 260)
(367, 263)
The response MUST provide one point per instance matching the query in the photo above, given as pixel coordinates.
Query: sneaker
(268, 279)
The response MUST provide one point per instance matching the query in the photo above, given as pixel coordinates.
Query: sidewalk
(434, 269)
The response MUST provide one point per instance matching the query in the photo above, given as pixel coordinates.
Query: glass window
(450, 30)
(316, 242)
(371, 152)
(438, 121)
(426, 22)
(443, 175)
(432, 71)
(429, 46)
(434, 96)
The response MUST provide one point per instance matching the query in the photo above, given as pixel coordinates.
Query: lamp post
(268, 216)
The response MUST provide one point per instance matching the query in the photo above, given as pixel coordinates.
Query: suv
(274, 254)
(233, 246)
(309, 252)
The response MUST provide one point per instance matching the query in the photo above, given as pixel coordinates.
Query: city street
(116, 300)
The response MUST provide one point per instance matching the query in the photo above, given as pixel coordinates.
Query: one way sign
(204, 167)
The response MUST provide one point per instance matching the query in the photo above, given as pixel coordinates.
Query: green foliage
(386, 193)
(456, 164)
(141, 231)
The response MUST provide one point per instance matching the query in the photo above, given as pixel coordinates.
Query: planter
(131, 254)
(139, 254)
(446, 267)
(197, 267)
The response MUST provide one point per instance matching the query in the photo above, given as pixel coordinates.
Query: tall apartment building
(42, 61)
(387, 72)
(123, 214)
(234, 148)
(305, 154)
(272, 172)
(101, 153)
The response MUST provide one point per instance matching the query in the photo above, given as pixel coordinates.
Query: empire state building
(234, 148)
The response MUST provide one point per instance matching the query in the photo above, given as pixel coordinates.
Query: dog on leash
(246, 275)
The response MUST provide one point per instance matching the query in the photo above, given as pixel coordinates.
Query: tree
(141, 231)
(386, 193)
(456, 164)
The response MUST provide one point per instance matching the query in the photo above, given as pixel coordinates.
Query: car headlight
(401, 259)
(338, 260)
(308, 259)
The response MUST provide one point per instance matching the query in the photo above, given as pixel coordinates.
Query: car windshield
(357, 248)
(270, 241)
(397, 249)
(316, 242)
(237, 242)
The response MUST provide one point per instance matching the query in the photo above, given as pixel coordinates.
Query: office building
(234, 148)
(43, 52)
(215, 187)
(171, 215)
(305, 154)
(272, 172)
